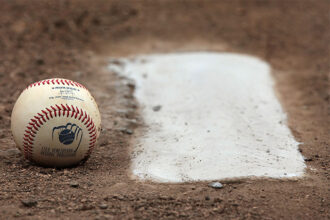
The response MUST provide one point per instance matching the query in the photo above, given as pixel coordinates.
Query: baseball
(56, 122)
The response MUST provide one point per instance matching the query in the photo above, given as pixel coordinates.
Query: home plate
(209, 116)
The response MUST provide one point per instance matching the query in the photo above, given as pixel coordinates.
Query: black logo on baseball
(68, 134)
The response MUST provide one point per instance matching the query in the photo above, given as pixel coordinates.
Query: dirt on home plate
(74, 39)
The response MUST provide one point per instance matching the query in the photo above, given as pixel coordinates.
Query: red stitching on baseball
(81, 114)
(42, 117)
(86, 122)
(35, 123)
(91, 128)
(64, 82)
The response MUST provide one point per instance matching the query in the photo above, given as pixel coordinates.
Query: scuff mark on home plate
(209, 116)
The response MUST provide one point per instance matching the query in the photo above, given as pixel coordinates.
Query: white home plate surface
(209, 116)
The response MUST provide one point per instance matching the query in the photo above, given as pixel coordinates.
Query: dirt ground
(74, 39)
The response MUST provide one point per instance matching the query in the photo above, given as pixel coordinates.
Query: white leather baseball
(56, 122)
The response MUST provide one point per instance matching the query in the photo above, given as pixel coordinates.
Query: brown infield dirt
(74, 40)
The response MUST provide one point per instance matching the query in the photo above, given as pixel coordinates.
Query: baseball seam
(64, 82)
(57, 111)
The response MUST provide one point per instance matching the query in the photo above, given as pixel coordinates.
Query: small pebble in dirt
(157, 108)
(40, 61)
(126, 131)
(29, 202)
(86, 207)
(103, 206)
(13, 152)
(74, 184)
(130, 84)
(17, 214)
(216, 185)
(9, 152)
(2, 153)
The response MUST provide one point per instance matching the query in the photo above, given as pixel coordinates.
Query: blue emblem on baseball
(66, 137)
(68, 134)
